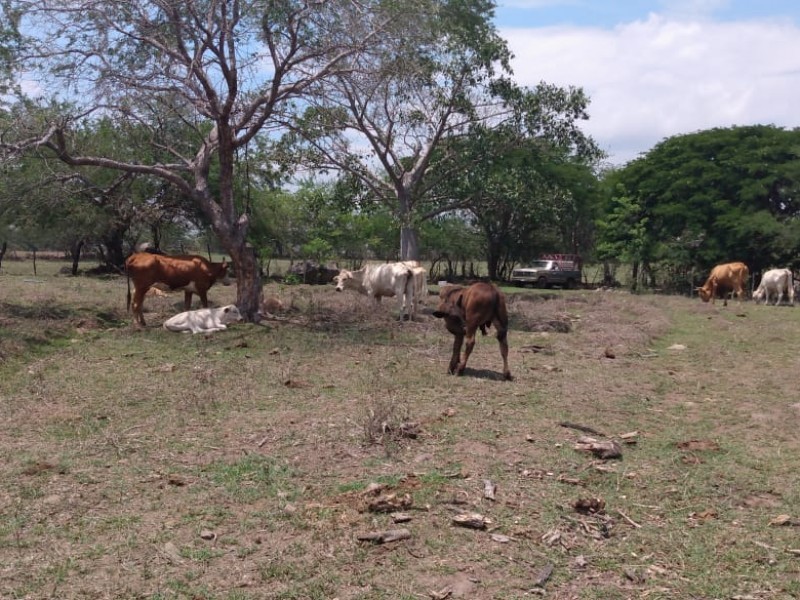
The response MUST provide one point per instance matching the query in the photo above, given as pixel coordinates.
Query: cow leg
(409, 299)
(470, 337)
(137, 305)
(458, 340)
(187, 300)
(502, 339)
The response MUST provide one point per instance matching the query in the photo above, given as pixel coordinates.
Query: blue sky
(654, 68)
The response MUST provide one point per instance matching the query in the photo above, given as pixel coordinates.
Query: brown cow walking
(725, 279)
(192, 274)
(465, 310)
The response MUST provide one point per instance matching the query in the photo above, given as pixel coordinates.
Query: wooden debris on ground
(602, 449)
(472, 521)
(589, 506)
(783, 520)
(389, 503)
(582, 428)
(445, 592)
(489, 489)
(543, 575)
(384, 537)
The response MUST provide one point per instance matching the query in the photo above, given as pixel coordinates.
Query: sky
(654, 69)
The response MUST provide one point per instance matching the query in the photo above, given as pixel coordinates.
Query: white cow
(377, 281)
(778, 282)
(204, 320)
(420, 280)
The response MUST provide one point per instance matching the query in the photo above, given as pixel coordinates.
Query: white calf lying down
(204, 320)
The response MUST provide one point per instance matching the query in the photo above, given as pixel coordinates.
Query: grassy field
(143, 464)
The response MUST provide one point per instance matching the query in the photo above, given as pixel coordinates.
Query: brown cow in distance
(465, 310)
(725, 279)
(192, 274)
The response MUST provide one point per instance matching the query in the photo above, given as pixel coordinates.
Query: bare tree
(384, 121)
(226, 70)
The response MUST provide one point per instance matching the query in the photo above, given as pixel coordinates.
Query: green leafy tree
(713, 196)
(532, 188)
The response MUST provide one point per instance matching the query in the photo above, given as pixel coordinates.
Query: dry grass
(146, 464)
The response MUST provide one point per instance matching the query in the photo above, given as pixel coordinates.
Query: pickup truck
(548, 272)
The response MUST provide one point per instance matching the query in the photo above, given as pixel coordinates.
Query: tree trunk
(75, 251)
(492, 258)
(248, 282)
(3, 249)
(409, 243)
(115, 254)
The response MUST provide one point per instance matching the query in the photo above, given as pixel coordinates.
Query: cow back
(146, 269)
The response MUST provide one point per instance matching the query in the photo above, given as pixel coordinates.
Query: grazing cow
(777, 281)
(377, 281)
(192, 274)
(725, 279)
(204, 320)
(465, 310)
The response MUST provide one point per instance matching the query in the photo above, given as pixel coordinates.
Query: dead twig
(583, 428)
(628, 519)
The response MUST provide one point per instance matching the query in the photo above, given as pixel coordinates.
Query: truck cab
(563, 270)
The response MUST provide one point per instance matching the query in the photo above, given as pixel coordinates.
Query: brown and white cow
(192, 274)
(778, 282)
(377, 281)
(465, 310)
(723, 280)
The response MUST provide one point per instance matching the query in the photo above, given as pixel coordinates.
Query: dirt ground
(282, 460)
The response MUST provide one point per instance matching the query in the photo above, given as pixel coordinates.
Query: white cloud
(658, 77)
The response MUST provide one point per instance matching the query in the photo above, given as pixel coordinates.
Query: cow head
(346, 280)
(230, 314)
(704, 293)
(451, 304)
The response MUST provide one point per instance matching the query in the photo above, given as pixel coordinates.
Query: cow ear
(226, 309)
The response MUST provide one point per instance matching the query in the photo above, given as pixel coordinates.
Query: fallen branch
(628, 519)
(384, 537)
(604, 450)
(583, 428)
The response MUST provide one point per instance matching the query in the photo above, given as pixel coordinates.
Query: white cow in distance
(777, 282)
(204, 320)
(377, 281)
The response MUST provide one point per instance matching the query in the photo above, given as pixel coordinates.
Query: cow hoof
(508, 377)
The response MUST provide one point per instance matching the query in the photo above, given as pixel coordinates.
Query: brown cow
(192, 274)
(725, 279)
(465, 310)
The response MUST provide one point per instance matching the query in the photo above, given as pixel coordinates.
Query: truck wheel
(570, 284)
(542, 282)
